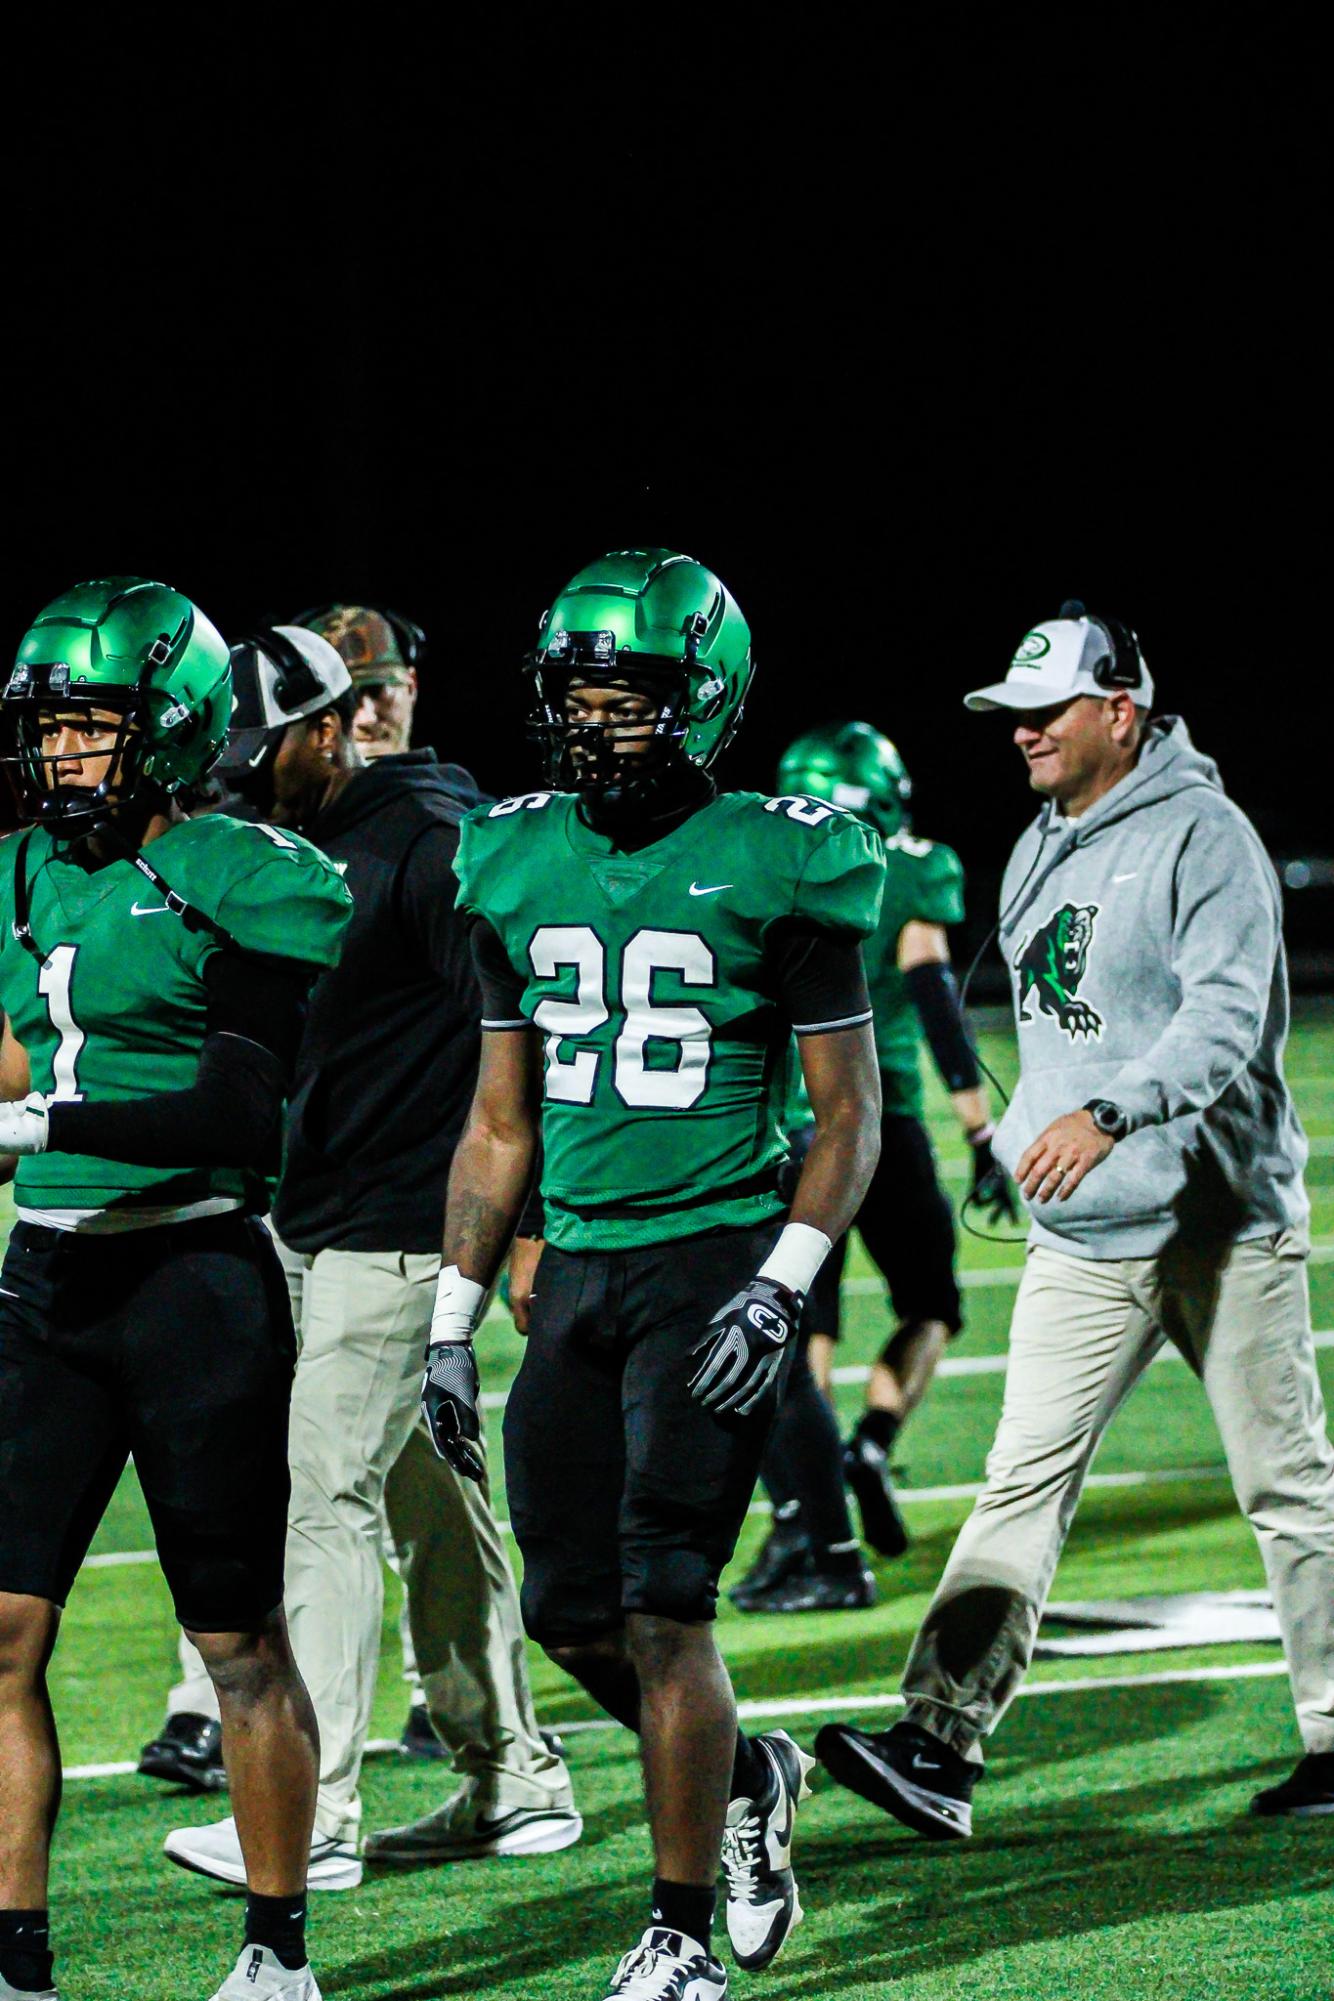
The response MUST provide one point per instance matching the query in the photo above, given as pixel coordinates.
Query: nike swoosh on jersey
(1126, 878)
(148, 910)
(709, 889)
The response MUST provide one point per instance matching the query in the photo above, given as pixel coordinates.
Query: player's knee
(27, 1633)
(680, 1585)
(562, 1618)
(246, 1663)
(590, 1658)
(663, 1648)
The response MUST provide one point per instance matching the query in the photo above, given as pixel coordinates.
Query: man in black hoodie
(383, 1081)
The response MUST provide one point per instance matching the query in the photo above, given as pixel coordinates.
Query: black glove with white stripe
(449, 1405)
(743, 1348)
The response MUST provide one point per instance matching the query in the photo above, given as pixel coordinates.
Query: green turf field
(1114, 1858)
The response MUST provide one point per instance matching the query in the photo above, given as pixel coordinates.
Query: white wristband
(796, 1257)
(458, 1306)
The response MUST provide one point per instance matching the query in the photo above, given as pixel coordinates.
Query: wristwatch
(1108, 1118)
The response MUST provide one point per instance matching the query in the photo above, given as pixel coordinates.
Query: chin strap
(190, 915)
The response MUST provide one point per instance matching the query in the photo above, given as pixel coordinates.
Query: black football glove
(992, 1191)
(743, 1346)
(449, 1405)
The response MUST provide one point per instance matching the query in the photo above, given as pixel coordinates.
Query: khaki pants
(358, 1451)
(1083, 1332)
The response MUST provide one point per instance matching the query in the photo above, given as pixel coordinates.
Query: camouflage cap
(365, 641)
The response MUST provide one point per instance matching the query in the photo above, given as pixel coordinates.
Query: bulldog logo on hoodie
(1052, 962)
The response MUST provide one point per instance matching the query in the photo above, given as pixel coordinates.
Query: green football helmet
(851, 765)
(142, 650)
(662, 624)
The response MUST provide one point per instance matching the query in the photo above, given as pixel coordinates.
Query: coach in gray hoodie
(1155, 1141)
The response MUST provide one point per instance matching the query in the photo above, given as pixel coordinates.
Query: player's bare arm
(494, 1163)
(843, 1084)
(488, 1184)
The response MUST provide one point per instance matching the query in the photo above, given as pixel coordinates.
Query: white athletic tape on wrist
(796, 1257)
(458, 1306)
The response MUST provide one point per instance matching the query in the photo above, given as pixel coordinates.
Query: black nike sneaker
(818, 1583)
(1307, 1791)
(420, 1741)
(188, 1752)
(905, 1771)
(866, 1472)
(763, 1906)
(782, 1551)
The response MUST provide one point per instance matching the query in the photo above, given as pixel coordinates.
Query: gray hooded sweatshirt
(1145, 943)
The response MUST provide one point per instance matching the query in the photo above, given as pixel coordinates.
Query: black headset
(411, 639)
(1122, 665)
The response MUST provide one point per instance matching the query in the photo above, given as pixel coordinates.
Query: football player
(905, 1221)
(155, 971)
(647, 945)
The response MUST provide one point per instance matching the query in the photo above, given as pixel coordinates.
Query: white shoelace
(743, 1857)
(641, 1966)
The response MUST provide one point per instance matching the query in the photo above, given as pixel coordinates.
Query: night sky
(908, 327)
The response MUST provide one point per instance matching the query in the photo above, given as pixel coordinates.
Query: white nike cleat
(465, 1827)
(216, 1851)
(668, 1966)
(259, 1976)
(8, 1993)
(763, 1907)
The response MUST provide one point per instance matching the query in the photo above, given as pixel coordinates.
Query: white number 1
(53, 983)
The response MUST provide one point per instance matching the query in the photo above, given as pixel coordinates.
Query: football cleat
(259, 1975)
(187, 1751)
(781, 1552)
(216, 1851)
(466, 1827)
(814, 1585)
(866, 1471)
(668, 1966)
(419, 1739)
(905, 1771)
(8, 1993)
(1307, 1791)
(762, 1902)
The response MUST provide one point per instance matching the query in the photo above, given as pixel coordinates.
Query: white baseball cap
(1057, 660)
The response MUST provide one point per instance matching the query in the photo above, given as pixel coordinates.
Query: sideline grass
(1114, 1857)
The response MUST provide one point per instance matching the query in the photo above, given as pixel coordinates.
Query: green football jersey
(649, 977)
(117, 1007)
(923, 882)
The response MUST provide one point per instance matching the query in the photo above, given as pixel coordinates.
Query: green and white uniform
(652, 977)
(116, 1009)
(923, 884)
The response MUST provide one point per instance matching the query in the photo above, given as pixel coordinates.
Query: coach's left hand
(24, 1125)
(1060, 1157)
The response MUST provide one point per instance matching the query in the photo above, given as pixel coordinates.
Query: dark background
(910, 325)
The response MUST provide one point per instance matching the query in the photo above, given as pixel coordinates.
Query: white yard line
(815, 1705)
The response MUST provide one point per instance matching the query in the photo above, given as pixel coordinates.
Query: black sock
(25, 1950)
(880, 1426)
(684, 1907)
(280, 1924)
(751, 1770)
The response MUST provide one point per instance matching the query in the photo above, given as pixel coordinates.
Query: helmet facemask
(621, 764)
(45, 794)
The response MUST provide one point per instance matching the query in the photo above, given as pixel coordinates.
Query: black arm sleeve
(936, 998)
(502, 987)
(229, 1115)
(820, 980)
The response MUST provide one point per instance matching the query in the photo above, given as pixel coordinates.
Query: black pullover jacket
(388, 1061)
